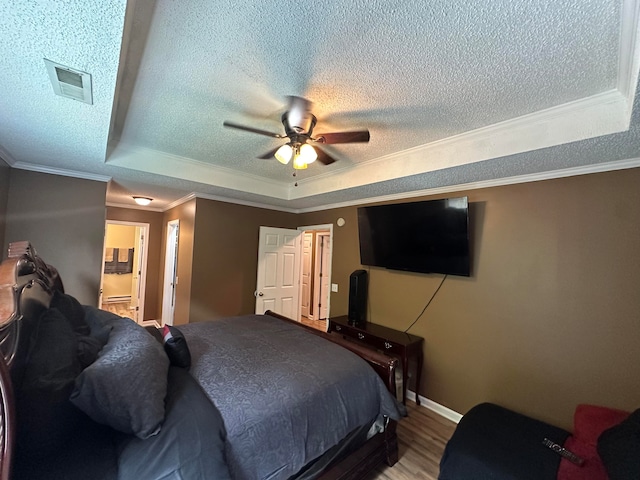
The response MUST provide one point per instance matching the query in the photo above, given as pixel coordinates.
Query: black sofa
(494, 443)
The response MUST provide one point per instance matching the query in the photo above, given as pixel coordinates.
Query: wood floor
(421, 438)
(317, 324)
(119, 308)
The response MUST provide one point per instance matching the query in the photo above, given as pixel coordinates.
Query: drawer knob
(338, 328)
(387, 345)
(360, 336)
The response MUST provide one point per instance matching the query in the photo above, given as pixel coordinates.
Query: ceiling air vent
(70, 83)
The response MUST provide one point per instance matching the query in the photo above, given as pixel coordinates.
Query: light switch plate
(334, 287)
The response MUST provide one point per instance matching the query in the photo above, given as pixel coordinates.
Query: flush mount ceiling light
(144, 201)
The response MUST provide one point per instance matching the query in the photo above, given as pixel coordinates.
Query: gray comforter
(286, 395)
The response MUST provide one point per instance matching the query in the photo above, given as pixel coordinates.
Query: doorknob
(258, 294)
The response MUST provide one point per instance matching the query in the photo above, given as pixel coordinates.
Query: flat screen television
(426, 237)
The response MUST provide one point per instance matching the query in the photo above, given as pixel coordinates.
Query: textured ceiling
(453, 93)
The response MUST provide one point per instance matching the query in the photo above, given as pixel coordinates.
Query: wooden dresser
(393, 342)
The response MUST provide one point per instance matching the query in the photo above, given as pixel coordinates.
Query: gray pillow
(126, 386)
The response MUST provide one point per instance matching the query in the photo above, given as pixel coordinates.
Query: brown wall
(226, 249)
(63, 217)
(4, 198)
(186, 214)
(550, 317)
(153, 290)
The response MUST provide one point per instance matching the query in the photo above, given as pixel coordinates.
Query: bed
(88, 394)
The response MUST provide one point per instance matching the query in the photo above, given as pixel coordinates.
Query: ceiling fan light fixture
(284, 154)
(298, 163)
(307, 154)
(144, 201)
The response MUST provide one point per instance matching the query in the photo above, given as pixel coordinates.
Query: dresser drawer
(367, 338)
(344, 330)
(385, 345)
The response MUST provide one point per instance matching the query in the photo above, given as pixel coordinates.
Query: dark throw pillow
(619, 449)
(72, 310)
(126, 386)
(176, 347)
(88, 350)
(46, 417)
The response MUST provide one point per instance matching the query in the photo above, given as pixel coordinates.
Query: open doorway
(170, 272)
(294, 273)
(315, 282)
(124, 272)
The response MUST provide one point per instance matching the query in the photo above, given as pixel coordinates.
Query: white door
(170, 272)
(139, 274)
(307, 272)
(322, 269)
(278, 277)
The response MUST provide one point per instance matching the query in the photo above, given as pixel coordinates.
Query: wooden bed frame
(27, 284)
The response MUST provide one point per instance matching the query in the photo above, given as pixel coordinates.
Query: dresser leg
(419, 360)
(405, 378)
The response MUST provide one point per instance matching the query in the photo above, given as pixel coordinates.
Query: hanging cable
(427, 305)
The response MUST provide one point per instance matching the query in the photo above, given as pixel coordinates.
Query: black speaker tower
(358, 284)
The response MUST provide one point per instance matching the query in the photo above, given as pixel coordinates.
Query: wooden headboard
(27, 284)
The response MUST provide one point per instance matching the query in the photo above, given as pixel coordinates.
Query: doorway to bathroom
(124, 269)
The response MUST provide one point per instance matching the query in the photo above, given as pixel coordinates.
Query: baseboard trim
(150, 323)
(117, 299)
(441, 410)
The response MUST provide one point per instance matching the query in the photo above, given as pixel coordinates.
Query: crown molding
(499, 182)
(134, 207)
(247, 203)
(179, 202)
(598, 115)
(169, 165)
(7, 157)
(61, 171)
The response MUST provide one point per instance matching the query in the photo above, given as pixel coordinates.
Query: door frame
(305, 310)
(323, 227)
(322, 257)
(142, 262)
(170, 278)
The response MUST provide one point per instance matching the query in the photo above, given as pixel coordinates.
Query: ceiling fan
(298, 122)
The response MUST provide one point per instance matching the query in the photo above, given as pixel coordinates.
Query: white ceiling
(454, 92)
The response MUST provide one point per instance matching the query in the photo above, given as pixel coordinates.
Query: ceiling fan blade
(343, 137)
(252, 130)
(324, 157)
(269, 154)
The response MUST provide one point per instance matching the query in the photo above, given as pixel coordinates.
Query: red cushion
(589, 422)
